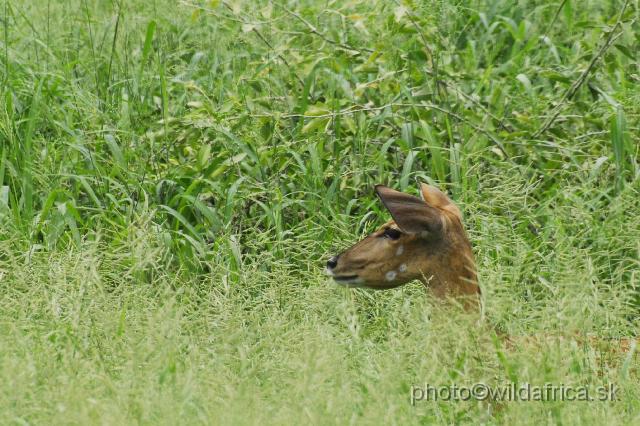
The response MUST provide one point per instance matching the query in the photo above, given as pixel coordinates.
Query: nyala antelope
(425, 240)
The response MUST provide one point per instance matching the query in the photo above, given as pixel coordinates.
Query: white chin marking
(329, 272)
(403, 267)
(390, 276)
(400, 251)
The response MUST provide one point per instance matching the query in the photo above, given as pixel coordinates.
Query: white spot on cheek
(403, 267)
(390, 276)
(400, 251)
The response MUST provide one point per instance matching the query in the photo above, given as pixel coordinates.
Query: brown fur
(435, 249)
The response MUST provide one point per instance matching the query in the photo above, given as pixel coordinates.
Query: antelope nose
(333, 262)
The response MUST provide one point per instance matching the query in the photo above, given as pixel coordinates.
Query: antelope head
(425, 240)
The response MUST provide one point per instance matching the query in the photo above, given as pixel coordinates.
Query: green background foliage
(173, 176)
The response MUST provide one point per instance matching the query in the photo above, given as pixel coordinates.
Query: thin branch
(254, 30)
(578, 83)
(356, 109)
(555, 17)
(315, 31)
(227, 17)
(422, 37)
(434, 62)
(470, 99)
(265, 41)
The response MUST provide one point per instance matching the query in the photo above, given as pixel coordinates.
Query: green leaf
(146, 49)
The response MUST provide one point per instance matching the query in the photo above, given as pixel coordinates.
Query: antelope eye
(392, 234)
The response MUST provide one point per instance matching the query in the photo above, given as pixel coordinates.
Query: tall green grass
(174, 175)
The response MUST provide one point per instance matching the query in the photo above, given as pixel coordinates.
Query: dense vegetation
(173, 176)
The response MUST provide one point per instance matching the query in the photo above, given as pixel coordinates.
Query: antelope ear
(412, 215)
(436, 198)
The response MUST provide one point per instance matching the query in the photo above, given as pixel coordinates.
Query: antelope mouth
(345, 277)
(348, 280)
(352, 280)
